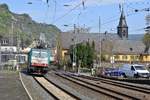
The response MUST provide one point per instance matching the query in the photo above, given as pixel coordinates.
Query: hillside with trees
(22, 26)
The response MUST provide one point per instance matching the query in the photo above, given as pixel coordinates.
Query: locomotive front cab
(38, 61)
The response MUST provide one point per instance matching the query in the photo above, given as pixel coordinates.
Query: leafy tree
(93, 50)
(84, 53)
(89, 55)
(146, 41)
(93, 45)
(79, 53)
(71, 52)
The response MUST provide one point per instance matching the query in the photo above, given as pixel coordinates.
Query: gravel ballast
(35, 90)
(80, 91)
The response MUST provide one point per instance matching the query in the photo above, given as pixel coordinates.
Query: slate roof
(68, 37)
(129, 47)
(119, 45)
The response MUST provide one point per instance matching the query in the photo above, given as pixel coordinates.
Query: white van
(135, 70)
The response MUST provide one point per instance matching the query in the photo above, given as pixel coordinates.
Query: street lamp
(66, 5)
(29, 3)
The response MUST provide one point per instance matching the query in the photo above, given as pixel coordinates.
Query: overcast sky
(88, 15)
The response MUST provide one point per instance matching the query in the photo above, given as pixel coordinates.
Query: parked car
(113, 72)
(135, 70)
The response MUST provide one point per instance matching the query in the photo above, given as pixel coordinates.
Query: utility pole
(18, 46)
(100, 43)
(12, 26)
(12, 35)
(59, 49)
(74, 48)
(11, 55)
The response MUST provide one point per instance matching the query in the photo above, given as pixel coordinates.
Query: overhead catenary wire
(105, 23)
(75, 19)
(128, 14)
(55, 9)
(46, 13)
(134, 10)
(81, 11)
(117, 18)
(74, 8)
(83, 5)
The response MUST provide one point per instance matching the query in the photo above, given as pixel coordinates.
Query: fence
(9, 67)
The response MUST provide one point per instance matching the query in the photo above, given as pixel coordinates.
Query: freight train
(38, 61)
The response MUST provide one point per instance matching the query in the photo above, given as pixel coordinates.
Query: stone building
(8, 48)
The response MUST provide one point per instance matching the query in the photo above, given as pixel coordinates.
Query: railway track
(121, 84)
(54, 90)
(82, 92)
(105, 90)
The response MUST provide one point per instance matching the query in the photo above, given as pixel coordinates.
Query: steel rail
(121, 84)
(123, 94)
(56, 96)
(109, 92)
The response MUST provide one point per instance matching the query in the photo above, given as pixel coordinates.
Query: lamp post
(100, 43)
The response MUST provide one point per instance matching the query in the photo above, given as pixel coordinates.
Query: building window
(140, 57)
(137, 57)
(132, 57)
(116, 57)
(146, 57)
(5, 42)
(124, 57)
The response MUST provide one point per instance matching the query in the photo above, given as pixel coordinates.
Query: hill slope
(21, 25)
(136, 36)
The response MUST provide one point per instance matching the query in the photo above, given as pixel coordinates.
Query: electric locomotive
(38, 61)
